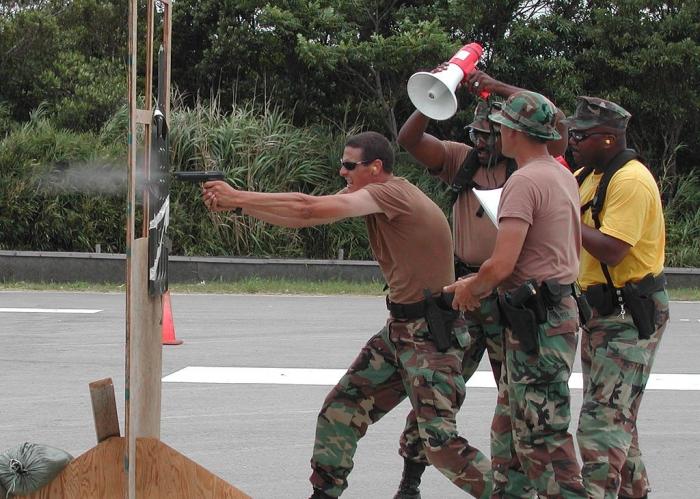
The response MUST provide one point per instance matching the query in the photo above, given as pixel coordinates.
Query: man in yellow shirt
(621, 274)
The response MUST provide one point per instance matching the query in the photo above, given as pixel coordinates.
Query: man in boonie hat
(462, 167)
(534, 266)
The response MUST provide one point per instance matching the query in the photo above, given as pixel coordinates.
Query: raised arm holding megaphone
(462, 163)
(433, 93)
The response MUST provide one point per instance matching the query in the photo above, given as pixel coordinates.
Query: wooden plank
(167, 35)
(164, 473)
(129, 488)
(96, 473)
(104, 409)
(145, 357)
(144, 116)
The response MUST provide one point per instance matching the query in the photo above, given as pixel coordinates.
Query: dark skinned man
(622, 277)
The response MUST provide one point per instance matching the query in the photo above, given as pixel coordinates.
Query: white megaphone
(433, 94)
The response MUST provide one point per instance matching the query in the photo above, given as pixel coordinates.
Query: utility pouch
(600, 297)
(650, 284)
(552, 292)
(584, 309)
(642, 308)
(440, 318)
(522, 322)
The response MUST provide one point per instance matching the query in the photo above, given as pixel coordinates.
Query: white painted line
(255, 375)
(50, 310)
(292, 376)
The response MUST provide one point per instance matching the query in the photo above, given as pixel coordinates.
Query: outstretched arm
(289, 209)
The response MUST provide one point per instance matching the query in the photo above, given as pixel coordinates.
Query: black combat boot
(319, 494)
(410, 480)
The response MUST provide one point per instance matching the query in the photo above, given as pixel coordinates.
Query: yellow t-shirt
(631, 212)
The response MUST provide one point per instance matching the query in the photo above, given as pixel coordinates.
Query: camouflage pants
(400, 361)
(485, 335)
(616, 367)
(534, 403)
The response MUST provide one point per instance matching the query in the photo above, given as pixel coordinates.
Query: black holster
(440, 317)
(639, 301)
(524, 310)
(602, 298)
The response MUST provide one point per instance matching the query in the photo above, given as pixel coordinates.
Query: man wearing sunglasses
(621, 274)
(461, 167)
(419, 353)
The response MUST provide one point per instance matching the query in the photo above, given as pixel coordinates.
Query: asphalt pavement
(259, 436)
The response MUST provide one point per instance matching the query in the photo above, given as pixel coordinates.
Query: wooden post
(104, 409)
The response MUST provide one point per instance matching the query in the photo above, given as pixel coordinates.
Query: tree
(645, 55)
(69, 54)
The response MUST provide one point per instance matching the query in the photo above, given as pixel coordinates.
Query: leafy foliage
(40, 212)
(69, 54)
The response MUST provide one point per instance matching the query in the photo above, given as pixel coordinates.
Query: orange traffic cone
(168, 332)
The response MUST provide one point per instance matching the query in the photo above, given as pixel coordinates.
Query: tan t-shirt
(474, 237)
(545, 195)
(411, 240)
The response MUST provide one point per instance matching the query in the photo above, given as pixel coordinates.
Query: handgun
(198, 177)
(203, 176)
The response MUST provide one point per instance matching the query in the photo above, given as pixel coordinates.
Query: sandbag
(28, 467)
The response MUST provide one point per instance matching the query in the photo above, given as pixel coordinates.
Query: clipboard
(489, 199)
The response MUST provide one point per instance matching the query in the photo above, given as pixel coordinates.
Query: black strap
(596, 204)
(464, 179)
(406, 311)
(511, 166)
(411, 311)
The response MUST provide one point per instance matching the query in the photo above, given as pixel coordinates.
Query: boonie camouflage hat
(592, 111)
(481, 115)
(530, 113)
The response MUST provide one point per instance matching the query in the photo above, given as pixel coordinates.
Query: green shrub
(40, 206)
(683, 223)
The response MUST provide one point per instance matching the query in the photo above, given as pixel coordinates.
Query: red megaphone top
(467, 58)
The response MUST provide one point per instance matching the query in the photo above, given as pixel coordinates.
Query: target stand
(138, 464)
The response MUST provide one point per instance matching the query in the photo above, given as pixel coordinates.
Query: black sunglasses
(579, 136)
(475, 135)
(350, 165)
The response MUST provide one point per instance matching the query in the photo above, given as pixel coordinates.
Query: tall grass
(38, 212)
(683, 223)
